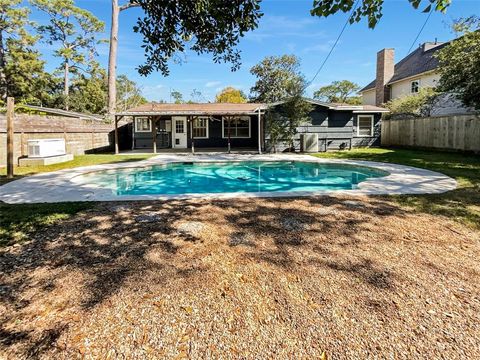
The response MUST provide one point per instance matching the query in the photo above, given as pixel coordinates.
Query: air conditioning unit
(46, 147)
(309, 142)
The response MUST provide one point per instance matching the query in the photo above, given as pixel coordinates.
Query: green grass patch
(17, 222)
(80, 160)
(462, 204)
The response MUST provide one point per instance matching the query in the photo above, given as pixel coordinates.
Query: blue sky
(286, 28)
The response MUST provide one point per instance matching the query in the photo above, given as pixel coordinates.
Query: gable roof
(415, 63)
(341, 106)
(194, 109)
(157, 109)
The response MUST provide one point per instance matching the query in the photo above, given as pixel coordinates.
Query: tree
(283, 123)
(195, 97)
(112, 55)
(275, 76)
(412, 105)
(26, 79)
(295, 110)
(231, 95)
(13, 19)
(339, 91)
(89, 91)
(169, 27)
(371, 9)
(75, 30)
(129, 93)
(177, 97)
(459, 63)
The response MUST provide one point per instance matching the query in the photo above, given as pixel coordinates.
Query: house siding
(336, 129)
(403, 87)
(215, 139)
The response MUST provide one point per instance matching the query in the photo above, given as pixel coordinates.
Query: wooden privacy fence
(80, 135)
(460, 132)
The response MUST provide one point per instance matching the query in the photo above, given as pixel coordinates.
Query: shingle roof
(193, 109)
(417, 62)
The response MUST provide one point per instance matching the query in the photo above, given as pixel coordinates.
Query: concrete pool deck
(59, 186)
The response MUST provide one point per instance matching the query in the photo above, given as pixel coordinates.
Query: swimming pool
(230, 177)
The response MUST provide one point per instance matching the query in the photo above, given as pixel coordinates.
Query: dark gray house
(242, 126)
(335, 126)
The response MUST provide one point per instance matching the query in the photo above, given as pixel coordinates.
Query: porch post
(190, 119)
(229, 129)
(133, 133)
(259, 133)
(154, 131)
(116, 135)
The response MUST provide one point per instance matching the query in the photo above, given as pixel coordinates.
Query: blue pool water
(231, 177)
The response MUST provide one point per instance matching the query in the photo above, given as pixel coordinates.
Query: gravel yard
(336, 277)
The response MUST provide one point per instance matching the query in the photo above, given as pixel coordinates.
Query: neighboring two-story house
(415, 71)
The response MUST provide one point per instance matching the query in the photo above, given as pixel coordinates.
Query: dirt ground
(338, 278)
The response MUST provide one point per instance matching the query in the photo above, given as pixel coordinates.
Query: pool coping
(58, 186)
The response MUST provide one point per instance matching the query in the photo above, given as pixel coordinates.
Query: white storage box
(46, 147)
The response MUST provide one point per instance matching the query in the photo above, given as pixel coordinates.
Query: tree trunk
(3, 76)
(66, 84)
(112, 59)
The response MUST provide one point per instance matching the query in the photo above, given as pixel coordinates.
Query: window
(365, 125)
(143, 124)
(200, 128)
(179, 126)
(238, 127)
(415, 86)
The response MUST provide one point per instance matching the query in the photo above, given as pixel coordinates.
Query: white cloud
(210, 84)
(323, 47)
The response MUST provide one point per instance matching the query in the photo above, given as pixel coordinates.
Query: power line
(334, 44)
(421, 29)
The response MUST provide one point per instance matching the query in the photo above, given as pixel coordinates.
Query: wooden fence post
(10, 115)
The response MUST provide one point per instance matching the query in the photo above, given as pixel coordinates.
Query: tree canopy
(460, 63)
(339, 91)
(231, 95)
(278, 77)
(129, 93)
(214, 26)
(75, 33)
(13, 19)
(370, 9)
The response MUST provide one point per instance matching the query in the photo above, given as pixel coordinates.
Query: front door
(179, 132)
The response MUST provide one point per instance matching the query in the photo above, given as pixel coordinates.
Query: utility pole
(10, 114)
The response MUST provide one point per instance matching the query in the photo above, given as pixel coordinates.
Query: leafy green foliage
(129, 94)
(88, 93)
(412, 105)
(276, 78)
(339, 92)
(177, 97)
(460, 63)
(27, 80)
(75, 31)
(213, 26)
(284, 120)
(370, 9)
(231, 95)
(13, 20)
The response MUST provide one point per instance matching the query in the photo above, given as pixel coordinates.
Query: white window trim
(411, 83)
(208, 127)
(238, 137)
(372, 121)
(149, 125)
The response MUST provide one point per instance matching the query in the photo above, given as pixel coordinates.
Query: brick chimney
(385, 70)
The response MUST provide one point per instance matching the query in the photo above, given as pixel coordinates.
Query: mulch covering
(327, 277)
